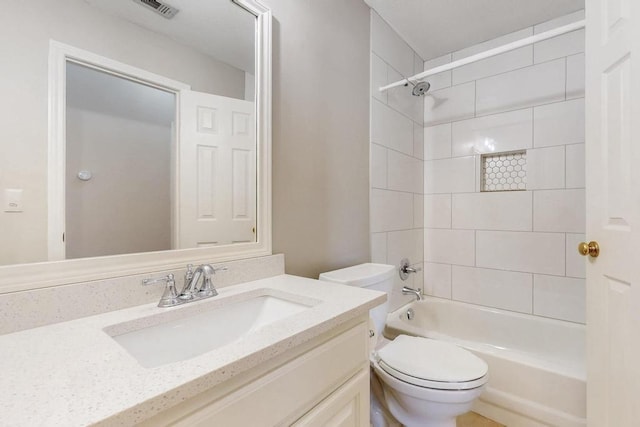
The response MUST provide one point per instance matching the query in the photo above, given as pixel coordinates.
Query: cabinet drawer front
(346, 407)
(286, 393)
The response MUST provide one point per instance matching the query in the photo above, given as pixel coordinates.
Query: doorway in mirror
(150, 169)
(118, 170)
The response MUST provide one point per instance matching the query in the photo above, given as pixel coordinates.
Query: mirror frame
(21, 277)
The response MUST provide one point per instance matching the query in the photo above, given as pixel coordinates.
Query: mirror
(136, 136)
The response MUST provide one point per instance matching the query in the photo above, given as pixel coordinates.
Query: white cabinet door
(613, 211)
(346, 407)
(216, 170)
(285, 393)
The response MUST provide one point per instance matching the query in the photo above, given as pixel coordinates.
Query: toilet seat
(433, 364)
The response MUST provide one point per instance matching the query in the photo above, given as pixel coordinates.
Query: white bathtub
(537, 373)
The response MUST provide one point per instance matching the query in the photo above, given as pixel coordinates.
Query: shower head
(420, 88)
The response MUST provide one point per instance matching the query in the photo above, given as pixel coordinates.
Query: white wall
(510, 250)
(26, 29)
(396, 157)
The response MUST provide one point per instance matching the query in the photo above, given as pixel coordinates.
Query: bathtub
(537, 372)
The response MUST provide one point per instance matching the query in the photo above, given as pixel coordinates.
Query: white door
(217, 196)
(613, 212)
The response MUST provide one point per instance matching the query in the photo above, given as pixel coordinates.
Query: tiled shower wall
(396, 157)
(514, 250)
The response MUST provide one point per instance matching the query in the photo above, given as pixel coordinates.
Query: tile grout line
(558, 59)
(566, 75)
(498, 112)
(559, 276)
(533, 293)
(491, 230)
(565, 254)
(386, 167)
(564, 151)
(475, 247)
(398, 151)
(386, 104)
(450, 211)
(450, 281)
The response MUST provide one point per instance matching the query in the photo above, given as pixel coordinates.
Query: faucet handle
(170, 295)
(152, 281)
(207, 289)
(189, 273)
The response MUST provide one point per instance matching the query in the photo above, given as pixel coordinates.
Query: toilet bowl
(428, 382)
(423, 382)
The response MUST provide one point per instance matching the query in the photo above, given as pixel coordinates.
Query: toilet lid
(431, 363)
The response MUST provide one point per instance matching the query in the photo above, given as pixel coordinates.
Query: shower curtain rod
(489, 53)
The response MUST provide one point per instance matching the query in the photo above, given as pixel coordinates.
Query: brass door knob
(591, 249)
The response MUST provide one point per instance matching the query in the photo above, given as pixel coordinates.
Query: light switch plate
(12, 200)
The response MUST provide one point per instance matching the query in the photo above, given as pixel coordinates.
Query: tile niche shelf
(504, 171)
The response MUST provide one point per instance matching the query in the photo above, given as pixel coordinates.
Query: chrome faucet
(190, 291)
(417, 292)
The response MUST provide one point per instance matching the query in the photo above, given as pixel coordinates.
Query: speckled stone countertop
(75, 374)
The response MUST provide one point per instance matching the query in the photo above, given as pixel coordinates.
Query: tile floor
(471, 419)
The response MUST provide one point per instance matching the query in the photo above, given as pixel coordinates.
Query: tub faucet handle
(406, 269)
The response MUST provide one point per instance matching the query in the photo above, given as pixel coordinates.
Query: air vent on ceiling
(159, 7)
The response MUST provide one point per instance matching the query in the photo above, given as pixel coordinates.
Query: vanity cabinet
(348, 406)
(324, 382)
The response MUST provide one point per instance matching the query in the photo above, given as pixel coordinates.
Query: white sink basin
(196, 334)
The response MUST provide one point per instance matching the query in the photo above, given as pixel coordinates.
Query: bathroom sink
(198, 333)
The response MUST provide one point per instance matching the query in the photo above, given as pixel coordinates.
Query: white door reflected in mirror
(217, 198)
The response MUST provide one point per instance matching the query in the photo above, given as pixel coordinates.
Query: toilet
(419, 381)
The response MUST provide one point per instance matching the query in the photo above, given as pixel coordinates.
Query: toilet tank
(378, 277)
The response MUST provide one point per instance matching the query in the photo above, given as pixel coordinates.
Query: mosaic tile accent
(504, 171)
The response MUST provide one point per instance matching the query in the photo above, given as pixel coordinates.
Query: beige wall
(27, 27)
(320, 133)
(126, 206)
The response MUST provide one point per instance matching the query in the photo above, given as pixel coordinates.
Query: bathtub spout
(417, 292)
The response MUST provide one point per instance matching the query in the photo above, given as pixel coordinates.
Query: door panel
(613, 212)
(217, 198)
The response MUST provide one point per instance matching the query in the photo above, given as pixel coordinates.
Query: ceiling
(218, 28)
(436, 27)
(93, 90)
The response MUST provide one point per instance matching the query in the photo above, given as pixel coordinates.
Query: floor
(471, 419)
